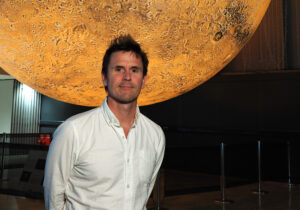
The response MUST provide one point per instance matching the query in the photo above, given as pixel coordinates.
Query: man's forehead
(120, 55)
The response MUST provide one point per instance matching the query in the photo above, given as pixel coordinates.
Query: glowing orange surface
(56, 47)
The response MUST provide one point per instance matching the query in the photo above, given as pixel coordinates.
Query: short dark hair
(128, 44)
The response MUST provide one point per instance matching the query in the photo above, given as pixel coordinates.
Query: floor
(279, 196)
(10, 202)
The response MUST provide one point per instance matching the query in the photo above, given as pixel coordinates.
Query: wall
(6, 98)
(53, 112)
(236, 102)
(227, 102)
(292, 26)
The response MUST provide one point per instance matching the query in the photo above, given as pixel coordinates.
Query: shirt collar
(110, 117)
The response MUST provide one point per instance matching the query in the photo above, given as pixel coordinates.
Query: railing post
(158, 182)
(289, 164)
(158, 191)
(259, 191)
(222, 177)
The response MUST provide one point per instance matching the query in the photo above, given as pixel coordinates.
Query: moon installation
(56, 47)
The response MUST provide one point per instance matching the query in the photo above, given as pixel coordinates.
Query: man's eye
(118, 69)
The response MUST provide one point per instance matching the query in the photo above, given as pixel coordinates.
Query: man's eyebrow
(132, 67)
(118, 66)
(135, 67)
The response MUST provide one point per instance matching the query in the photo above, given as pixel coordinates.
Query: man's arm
(60, 160)
(160, 156)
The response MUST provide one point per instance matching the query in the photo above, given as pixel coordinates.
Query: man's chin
(124, 100)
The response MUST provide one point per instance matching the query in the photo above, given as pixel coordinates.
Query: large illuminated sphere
(56, 47)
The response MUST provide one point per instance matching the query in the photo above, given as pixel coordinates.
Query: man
(108, 157)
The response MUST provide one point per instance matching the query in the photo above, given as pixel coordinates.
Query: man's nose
(127, 74)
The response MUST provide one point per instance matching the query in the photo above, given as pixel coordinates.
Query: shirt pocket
(146, 164)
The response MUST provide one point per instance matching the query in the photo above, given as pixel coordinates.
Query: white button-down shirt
(92, 165)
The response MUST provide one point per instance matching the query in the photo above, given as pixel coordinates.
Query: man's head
(128, 44)
(124, 70)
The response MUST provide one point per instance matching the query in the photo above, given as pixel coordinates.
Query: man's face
(125, 78)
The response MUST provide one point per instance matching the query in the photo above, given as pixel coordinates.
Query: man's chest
(112, 157)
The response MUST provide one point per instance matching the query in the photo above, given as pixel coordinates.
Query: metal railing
(227, 137)
(18, 145)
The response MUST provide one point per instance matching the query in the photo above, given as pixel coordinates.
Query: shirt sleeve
(159, 159)
(59, 163)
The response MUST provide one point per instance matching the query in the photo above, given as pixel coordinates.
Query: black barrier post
(222, 177)
(289, 164)
(158, 194)
(259, 191)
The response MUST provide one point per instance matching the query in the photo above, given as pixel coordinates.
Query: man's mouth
(126, 86)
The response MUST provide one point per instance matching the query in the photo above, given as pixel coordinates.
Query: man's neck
(125, 113)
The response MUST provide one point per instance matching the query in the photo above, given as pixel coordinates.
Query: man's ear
(145, 78)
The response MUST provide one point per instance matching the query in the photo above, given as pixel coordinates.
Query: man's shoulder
(154, 132)
(84, 117)
(79, 121)
(150, 124)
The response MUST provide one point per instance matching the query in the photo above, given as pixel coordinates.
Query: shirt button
(123, 137)
(128, 186)
(128, 160)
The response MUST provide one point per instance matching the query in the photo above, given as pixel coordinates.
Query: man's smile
(126, 86)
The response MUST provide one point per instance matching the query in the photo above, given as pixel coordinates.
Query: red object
(45, 139)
